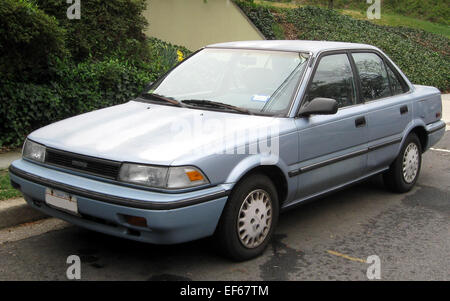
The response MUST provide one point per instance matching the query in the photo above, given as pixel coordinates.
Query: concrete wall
(197, 23)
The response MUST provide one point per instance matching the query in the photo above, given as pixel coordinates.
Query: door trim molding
(310, 167)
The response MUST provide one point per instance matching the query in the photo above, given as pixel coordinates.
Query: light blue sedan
(229, 138)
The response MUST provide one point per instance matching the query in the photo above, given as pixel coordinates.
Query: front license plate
(61, 200)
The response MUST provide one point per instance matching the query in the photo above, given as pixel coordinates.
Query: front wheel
(404, 171)
(249, 218)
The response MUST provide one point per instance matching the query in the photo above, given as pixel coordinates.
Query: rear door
(333, 148)
(388, 107)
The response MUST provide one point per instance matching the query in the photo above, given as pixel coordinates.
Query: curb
(16, 211)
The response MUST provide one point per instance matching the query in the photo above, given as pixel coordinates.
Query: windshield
(256, 81)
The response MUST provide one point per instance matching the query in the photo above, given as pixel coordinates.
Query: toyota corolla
(229, 138)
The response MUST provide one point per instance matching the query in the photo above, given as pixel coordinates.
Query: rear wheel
(249, 218)
(404, 171)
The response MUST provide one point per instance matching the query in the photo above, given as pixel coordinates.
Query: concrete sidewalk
(7, 158)
(446, 109)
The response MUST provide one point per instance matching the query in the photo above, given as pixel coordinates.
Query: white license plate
(61, 200)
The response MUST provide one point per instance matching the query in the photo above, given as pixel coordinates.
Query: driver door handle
(360, 122)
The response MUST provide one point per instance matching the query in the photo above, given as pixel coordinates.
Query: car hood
(149, 133)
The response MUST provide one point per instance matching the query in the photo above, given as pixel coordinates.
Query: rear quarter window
(398, 85)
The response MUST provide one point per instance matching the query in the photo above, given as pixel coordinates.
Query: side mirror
(319, 106)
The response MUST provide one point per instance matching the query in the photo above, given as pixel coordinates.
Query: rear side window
(398, 86)
(334, 79)
(373, 76)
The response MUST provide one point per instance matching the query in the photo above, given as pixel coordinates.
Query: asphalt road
(329, 239)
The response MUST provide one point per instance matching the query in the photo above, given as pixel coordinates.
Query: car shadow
(136, 260)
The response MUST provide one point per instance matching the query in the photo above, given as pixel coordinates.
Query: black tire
(394, 178)
(227, 236)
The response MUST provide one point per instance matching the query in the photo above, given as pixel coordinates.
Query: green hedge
(433, 42)
(163, 54)
(52, 69)
(432, 10)
(106, 28)
(77, 89)
(30, 41)
(416, 56)
(424, 57)
(260, 16)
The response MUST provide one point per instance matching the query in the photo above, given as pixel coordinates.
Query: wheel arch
(275, 174)
(273, 171)
(422, 134)
(418, 127)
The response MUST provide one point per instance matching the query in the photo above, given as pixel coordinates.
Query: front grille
(99, 167)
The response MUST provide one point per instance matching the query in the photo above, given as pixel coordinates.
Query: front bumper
(171, 217)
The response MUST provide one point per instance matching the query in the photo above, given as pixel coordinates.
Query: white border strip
(440, 150)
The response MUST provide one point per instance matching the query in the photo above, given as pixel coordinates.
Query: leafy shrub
(77, 88)
(425, 39)
(420, 62)
(431, 10)
(30, 41)
(163, 54)
(260, 16)
(53, 68)
(422, 56)
(92, 85)
(25, 106)
(106, 28)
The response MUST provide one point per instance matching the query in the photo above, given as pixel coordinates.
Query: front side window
(255, 80)
(373, 76)
(334, 79)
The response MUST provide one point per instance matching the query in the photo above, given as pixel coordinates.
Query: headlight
(143, 174)
(33, 151)
(162, 177)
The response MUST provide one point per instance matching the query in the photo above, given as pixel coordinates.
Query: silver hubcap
(255, 218)
(410, 162)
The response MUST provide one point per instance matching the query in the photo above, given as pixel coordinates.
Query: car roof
(292, 45)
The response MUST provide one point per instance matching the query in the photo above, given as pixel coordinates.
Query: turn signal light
(136, 221)
(194, 175)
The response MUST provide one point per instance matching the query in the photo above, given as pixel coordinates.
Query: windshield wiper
(161, 97)
(215, 104)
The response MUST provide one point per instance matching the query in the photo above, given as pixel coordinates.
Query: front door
(333, 148)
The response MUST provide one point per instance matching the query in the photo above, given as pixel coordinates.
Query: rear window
(373, 76)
